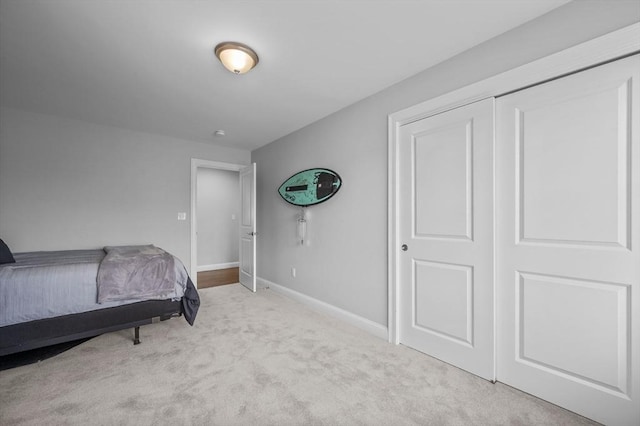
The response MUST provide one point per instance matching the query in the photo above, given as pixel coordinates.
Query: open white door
(248, 227)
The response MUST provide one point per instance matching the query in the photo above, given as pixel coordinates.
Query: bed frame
(51, 331)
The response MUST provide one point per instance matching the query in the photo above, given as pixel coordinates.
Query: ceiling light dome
(236, 57)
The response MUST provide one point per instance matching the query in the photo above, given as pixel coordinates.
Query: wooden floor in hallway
(218, 277)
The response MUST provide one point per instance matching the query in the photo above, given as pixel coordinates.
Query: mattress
(49, 284)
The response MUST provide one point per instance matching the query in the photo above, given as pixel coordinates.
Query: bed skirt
(50, 331)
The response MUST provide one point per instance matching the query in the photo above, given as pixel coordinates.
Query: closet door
(446, 227)
(568, 215)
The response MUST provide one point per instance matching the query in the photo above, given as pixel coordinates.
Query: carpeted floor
(258, 359)
(36, 355)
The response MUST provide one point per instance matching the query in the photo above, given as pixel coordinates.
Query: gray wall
(345, 263)
(217, 216)
(68, 184)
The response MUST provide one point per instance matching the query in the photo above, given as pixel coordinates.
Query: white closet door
(446, 223)
(568, 205)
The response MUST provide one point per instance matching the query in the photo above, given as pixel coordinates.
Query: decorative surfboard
(309, 187)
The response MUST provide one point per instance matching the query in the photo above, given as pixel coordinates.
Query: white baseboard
(353, 319)
(217, 266)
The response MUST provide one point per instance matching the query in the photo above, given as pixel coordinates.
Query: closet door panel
(568, 246)
(446, 226)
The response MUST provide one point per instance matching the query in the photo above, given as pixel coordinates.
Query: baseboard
(367, 325)
(217, 266)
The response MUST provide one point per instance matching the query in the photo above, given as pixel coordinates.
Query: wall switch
(233, 216)
(293, 272)
(182, 216)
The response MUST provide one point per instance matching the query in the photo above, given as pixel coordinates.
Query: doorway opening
(215, 211)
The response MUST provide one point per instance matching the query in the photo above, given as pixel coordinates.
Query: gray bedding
(49, 284)
(137, 272)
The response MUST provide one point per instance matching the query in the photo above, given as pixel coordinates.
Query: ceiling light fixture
(236, 57)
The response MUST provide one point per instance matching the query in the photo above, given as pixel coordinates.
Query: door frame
(609, 47)
(197, 163)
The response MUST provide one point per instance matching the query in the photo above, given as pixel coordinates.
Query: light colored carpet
(258, 359)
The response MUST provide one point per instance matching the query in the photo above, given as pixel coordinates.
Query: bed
(53, 297)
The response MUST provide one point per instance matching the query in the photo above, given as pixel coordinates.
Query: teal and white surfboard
(309, 187)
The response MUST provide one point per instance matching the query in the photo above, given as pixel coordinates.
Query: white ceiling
(149, 65)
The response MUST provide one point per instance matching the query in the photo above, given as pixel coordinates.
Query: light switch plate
(182, 216)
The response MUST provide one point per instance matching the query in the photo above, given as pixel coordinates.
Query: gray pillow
(5, 254)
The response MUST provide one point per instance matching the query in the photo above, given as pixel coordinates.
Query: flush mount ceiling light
(236, 57)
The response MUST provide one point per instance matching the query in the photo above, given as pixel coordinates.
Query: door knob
(404, 247)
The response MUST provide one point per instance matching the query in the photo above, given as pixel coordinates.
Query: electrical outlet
(293, 272)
